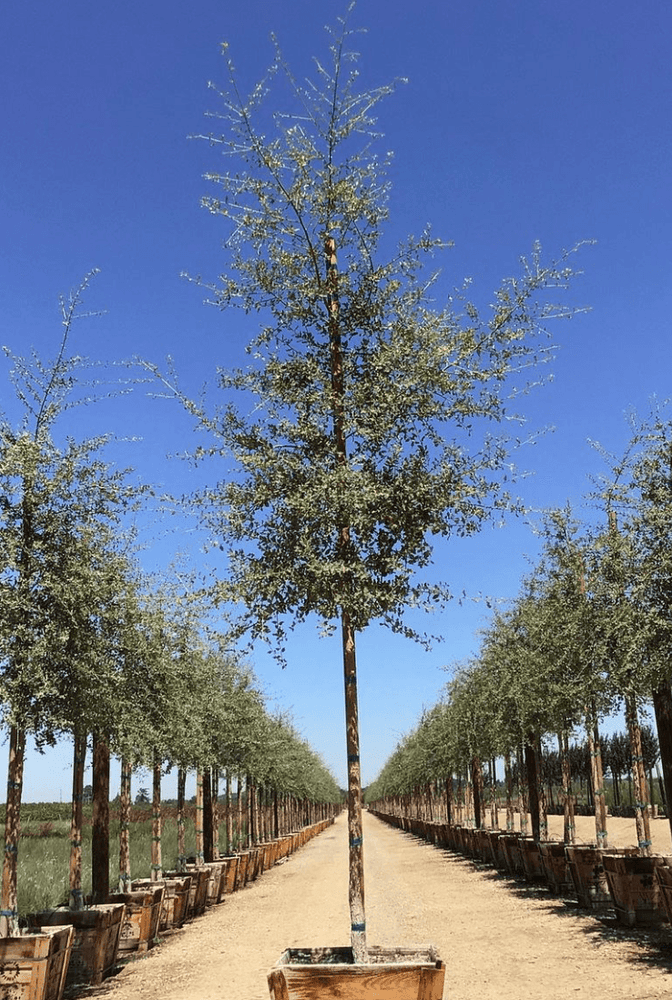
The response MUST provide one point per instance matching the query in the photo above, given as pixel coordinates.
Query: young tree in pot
(370, 435)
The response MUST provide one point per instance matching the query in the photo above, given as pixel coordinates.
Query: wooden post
(100, 835)
(125, 827)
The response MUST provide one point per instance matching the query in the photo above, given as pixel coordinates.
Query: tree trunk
(124, 828)
(477, 785)
(508, 780)
(229, 814)
(522, 793)
(449, 799)
(597, 781)
(567, 799)
(214, 811)
(642, 817)
(208, 833)
(356, 855)
(9, 917)
(533, 783)
(100, 834)
(662, 704)
(181, 844)
(157, 860)
(199, 816)
(76, 898)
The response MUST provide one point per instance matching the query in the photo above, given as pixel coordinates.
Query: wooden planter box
(241, 874)
(556, 868)
(530, 854)
(95, 942)
(634, 888)
(587, 873)
(397, 973)
(35, 966)
(198, 891)
(510, 843)
(496, 850)
(231, 873)
(175, 898)
(664, 877)
(141, 919)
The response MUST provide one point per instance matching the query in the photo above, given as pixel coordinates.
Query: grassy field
(44, 850)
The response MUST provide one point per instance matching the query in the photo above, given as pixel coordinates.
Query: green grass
(44, 851)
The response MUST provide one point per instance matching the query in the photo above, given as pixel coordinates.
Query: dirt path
(500, 939)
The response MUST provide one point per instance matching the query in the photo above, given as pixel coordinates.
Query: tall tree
(60, 507)
(369, 434)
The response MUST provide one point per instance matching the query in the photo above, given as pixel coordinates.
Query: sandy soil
(500, 939)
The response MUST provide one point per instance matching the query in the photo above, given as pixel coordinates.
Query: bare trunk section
(568, 800)
(100, 835)
(199, 816)
(9, 917)
(356, 855)
(508, 781)
(533, 785)
(662, 704)
(597, 779)
(157, 860)
(124, 827)
(76, 898)
(642, 808)
(208, 833)
(181, 845)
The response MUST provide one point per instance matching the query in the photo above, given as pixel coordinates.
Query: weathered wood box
(34, 966)
(95, 942)
(141, 920)
(175, 898)
(634, 888)
(330, 973)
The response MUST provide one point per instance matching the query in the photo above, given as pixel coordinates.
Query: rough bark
(533, 784)
(181, 845)
(208, 832)
(157, 860)
(124, 828)
(76, 898)
(662, 704)
(9, 917)
(642, 807)
(100, 835)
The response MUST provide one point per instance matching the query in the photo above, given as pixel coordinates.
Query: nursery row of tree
(588, 636)
(94, 650)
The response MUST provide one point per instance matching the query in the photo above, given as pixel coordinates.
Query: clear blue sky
(521, 121)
